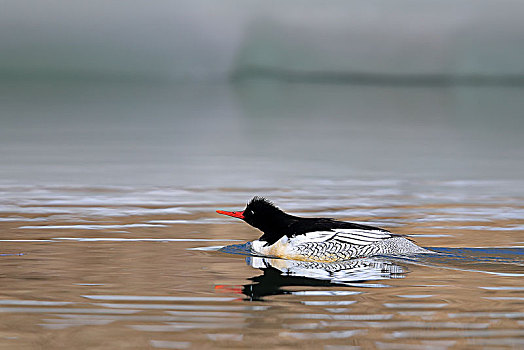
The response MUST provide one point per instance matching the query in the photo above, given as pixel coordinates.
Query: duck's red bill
(235, 214)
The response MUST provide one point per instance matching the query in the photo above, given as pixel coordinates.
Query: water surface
(109, 236)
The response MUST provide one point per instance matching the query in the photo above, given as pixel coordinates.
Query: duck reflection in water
(281, 273)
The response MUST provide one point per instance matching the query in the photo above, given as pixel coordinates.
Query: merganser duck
(317, 239)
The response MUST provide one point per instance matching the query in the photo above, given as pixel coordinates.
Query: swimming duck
(317, 239)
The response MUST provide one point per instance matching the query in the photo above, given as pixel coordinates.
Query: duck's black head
(264, 215)
(261, 213)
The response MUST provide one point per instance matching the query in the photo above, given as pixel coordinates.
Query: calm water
(109, 236)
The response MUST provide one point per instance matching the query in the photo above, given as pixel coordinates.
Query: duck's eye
(251, 212)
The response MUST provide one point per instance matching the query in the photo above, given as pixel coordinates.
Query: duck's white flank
(336, 245)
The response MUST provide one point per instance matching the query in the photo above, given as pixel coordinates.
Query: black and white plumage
(317, 239)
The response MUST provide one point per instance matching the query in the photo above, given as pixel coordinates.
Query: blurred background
(260, 93)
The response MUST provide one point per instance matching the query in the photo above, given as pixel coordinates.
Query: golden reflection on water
(74, 275)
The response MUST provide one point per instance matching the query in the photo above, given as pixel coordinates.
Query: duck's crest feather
(261, 200)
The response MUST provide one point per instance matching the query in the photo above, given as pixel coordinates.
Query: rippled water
(139, 267)
(105, 248)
